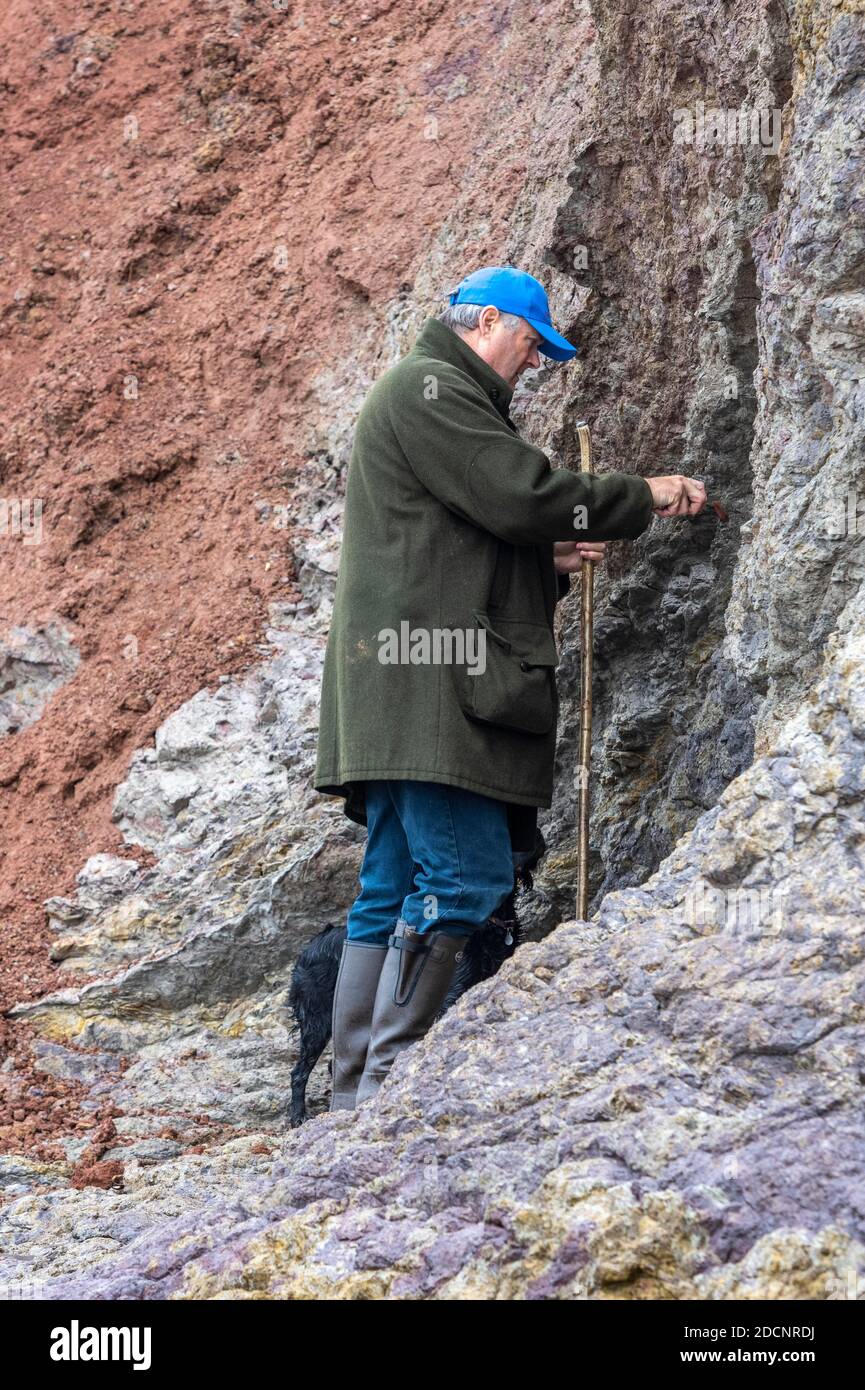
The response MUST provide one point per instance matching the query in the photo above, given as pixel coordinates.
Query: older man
(439, 702)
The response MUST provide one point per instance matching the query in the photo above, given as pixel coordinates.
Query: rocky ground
(666, 1102)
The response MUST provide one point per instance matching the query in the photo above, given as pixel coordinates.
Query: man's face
(509, 351)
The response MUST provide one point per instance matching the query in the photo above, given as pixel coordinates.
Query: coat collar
(437, 340)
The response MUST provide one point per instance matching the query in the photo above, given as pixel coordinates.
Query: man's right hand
(677, 496)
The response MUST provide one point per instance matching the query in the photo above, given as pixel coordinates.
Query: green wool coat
(447, 568)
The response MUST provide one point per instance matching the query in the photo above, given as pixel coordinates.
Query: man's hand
(568, 556)
(677, 496)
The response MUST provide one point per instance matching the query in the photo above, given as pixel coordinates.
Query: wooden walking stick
(587, 599)
(587, 596)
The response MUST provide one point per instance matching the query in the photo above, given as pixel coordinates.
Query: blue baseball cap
(515, 292)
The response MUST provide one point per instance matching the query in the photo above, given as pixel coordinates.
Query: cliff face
(665, 1102)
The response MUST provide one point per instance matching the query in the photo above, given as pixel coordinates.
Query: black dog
(314, 980)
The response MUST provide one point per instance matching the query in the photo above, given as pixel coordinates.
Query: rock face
(625, 1111)
(659, 227)
(665, 1102)
(33, 664)
(801, 570)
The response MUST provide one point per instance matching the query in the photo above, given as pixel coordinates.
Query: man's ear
(489, 314)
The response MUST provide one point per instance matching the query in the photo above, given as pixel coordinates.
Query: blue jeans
(439, 857)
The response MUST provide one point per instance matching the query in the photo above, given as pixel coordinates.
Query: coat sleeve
(461, 450)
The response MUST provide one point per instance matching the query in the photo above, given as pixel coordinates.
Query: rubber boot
(353, 1001)
(415, 979)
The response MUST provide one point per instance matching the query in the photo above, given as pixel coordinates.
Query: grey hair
(462, 318)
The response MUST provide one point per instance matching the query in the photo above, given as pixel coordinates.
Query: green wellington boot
(415, 978)
(353, 1001)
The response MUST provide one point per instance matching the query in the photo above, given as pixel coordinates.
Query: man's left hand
(568, 556)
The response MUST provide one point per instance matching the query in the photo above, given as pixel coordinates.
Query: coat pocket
(514, 684)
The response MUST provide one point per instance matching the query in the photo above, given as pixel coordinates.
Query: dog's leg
(310, 1003)
(314, 1038)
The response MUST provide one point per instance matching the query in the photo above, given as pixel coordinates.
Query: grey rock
(34, 662)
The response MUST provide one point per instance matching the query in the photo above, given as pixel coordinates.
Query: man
(439, 704)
